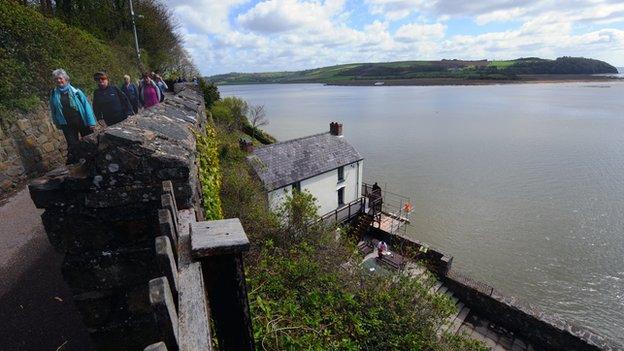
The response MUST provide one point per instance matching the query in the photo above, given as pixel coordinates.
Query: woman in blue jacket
(132, 92)
(71, 112)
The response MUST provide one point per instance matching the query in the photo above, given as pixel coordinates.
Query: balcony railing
(345, 213)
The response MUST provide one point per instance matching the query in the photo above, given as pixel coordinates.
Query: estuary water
(523, 184)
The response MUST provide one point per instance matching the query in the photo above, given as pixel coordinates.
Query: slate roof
(284, 163)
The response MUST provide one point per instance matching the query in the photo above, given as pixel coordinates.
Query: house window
(341, 174)
(340, 196)
(296, 186)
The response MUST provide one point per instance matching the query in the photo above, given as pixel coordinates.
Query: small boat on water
(378, 84)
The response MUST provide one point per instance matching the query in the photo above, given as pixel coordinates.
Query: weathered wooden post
(219, 245)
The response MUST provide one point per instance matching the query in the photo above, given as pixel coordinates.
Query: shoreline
(525, 79)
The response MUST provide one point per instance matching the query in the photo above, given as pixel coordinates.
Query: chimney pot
(335, 128)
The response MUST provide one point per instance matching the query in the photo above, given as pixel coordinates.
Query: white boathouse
(326, 165)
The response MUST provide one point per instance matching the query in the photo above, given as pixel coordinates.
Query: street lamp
(136, 39)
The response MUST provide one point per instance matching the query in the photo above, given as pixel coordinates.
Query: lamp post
(136, 39)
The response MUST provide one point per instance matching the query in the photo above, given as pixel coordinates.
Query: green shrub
(210, 92)
(32, 46)
(209, 173)
(221, 113)
(308, 292)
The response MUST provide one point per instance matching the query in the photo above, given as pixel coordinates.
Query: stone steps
(459, 320)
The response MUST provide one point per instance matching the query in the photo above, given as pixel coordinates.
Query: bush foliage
(209, 173)
(32, 45)
(82, 37)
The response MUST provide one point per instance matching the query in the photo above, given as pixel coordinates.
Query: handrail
(346, 207)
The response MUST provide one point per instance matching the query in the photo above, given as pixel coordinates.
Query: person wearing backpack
(109, 102)
(149, 93)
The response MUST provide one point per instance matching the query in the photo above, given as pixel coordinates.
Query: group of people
(77, 117)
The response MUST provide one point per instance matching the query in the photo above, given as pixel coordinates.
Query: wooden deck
(390, 223)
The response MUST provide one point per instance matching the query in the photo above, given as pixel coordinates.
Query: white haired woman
(71, 112)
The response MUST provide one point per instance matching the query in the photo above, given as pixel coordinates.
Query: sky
(226, 36)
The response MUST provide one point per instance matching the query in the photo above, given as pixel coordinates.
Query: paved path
(36, 309)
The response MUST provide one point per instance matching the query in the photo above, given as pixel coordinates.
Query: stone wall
(29, 146)
(105, 213)
(547, 330)
(540, 328)
(435, 260)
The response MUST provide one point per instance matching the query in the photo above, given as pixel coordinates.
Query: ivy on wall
(209, 172)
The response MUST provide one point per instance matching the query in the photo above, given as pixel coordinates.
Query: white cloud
(224, 36)
(276, 16)
(396, 9)
(500, 15)
(420, 32)
(205, 16)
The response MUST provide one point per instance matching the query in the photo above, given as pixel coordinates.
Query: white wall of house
(324, 187)
(278, 196)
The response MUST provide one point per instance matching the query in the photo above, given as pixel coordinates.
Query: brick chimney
(335, 128)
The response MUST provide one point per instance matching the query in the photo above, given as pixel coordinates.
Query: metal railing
(344, 213)
(395, 206)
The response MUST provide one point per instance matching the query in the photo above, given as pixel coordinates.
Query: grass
(500, 64)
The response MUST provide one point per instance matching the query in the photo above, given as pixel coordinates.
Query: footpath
(36, 309)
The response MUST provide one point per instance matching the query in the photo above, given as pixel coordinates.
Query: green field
(501, 64)
(456, 69)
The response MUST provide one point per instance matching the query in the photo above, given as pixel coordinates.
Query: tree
(257, 118)
(210, 92)
(239, 109)
(298, 214)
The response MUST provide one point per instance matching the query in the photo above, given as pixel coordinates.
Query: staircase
(453, 322)
(361, 227)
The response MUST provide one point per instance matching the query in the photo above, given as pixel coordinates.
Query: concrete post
(219, 245)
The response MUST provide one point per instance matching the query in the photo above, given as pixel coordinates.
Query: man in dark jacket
(109, 102)
(132, 92)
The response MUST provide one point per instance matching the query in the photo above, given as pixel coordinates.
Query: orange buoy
(407, 208)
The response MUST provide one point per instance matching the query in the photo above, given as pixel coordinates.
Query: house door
(341, 196)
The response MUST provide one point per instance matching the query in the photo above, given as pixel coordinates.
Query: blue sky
(270, 35)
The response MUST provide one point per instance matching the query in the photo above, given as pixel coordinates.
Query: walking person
(149, 93)
(160, 83)
(71, 112)
(109, 102)
(132, 92)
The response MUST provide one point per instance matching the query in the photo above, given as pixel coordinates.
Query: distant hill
(456, 69)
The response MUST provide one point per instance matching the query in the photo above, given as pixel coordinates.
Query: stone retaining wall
(104, 214)
(29, 146)
(546, 330)
(540, 328)
(436, 261)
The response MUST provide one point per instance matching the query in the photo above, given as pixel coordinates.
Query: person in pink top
(149, 93)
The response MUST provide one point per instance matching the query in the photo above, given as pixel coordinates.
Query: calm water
(523, 184)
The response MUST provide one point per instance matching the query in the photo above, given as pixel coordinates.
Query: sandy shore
(538, 78)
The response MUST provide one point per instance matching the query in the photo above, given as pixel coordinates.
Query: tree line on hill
(561, 65)
(82, 36)
(458, 69)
